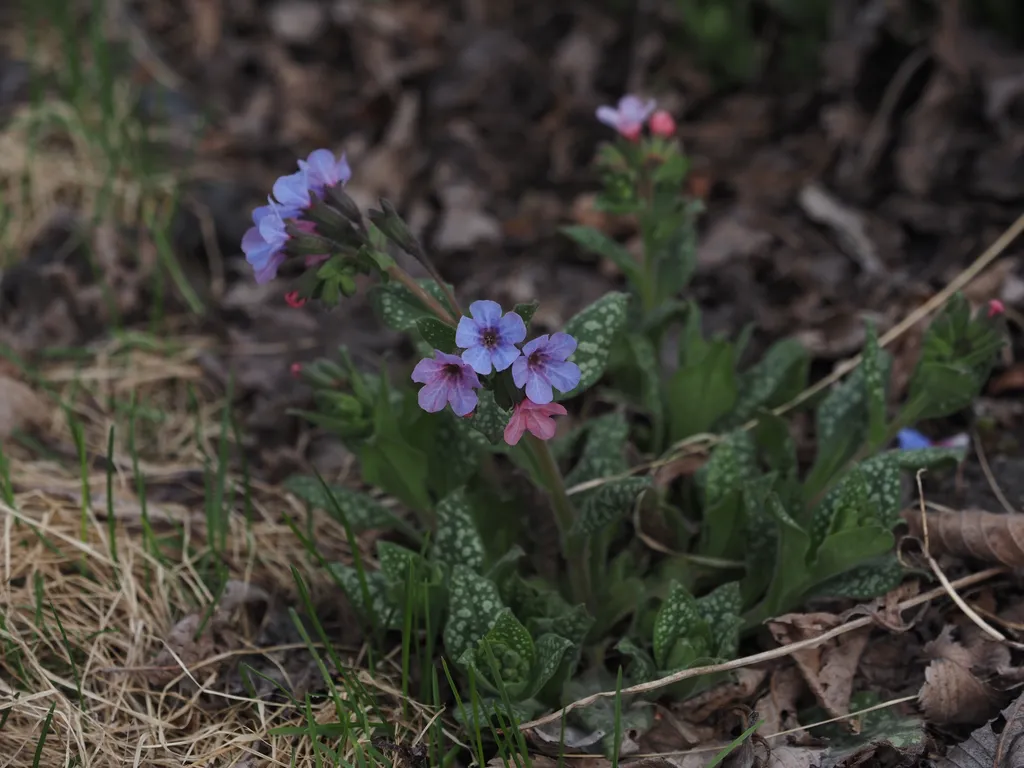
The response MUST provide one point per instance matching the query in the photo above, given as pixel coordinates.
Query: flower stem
(399, 274)
(574, 548)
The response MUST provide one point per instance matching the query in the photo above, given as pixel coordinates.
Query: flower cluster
(293, 197)
(632, 112)
(489, 342)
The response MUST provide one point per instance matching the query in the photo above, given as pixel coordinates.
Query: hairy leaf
(512, 649)
(398, 308)
(457, 540)
(489, 419)
(595, 329)
(474, 606)
(437, 334)
(777, 378)
(678, 621)
(609, 503)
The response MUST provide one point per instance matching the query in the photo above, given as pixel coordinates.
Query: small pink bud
(631, 131)
(662, 124)
(293, 300)
(296, 370)
(995, 307)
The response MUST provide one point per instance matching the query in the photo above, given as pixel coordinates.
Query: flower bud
(395, 229)
(662, 124)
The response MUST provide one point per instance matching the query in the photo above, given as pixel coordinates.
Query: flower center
(537, 358)
(490, 338)
(452, 371)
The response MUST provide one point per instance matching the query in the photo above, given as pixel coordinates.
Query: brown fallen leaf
(722, 696)
(20, 407)
(953, 692)
(828, 668)
(1009, 380)
(779, 706)
(973, 533)
(985, 747)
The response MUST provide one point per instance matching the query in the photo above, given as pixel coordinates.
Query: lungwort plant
(467, 442)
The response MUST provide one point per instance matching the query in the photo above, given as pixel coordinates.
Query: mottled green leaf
(720, 609)
(641, 668)
(381, 612)
(677, 619)
(361, 511)
(512, 648)
(603, 452)
(926, 458)
(437, 334)
(609, 503)
(842, 424)
(398, 308)
(599, 243)
(551, 651)
(702, 392)
(474, 606)
(777, 378)
(595, 329)
(489, 419)
(864, 582)
(732, 464)
(600, 718)
(526, 311)
(877, 366)
(457, 540)
(645, 356)
(845, 550)
(397, 562)
(463, 448)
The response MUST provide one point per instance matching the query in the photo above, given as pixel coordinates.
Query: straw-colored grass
(96, 645)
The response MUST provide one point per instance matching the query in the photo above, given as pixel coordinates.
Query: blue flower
(543, 366)
(488, 338)
(292, 191)
(323, 170)
(263, 243)
(448, 380)
(912, 440)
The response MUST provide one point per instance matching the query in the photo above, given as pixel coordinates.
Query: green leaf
(396, 562)
(677, 261)
(381, 612)
(645, 358)
(927, 458)
(474, 606)
(677, 620)
(597, 242)
(595, 329)
(847, 549)
(776, 379)
(512, 648)
(701, 393)
(489, 419)
(526, 311)
(603, 716)
(864, 582)
(842, 422)
(398, 308)
(608, 503)
(392, 464)
(603, 452)
(457, 540)
(437, 334)
(877, 367)
(775, 444)
(789, 579)
(642, 668)
(550, 651)
(362, 512)
(958, 353)
(733, 462)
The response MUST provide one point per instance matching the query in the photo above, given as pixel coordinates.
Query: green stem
(399, 274)
(574, 548)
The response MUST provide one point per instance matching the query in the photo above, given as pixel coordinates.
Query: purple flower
(912, 440)
(629, 117)
(448, 380)
(323, 170)
(543, 366)
(488, 338)
(292, 191)
(263, 243)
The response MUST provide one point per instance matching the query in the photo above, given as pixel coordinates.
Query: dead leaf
(972, 533)
(1009, 380)
(722, 696)
(953, 692)
(779, 706)
(828, 668)
(849, 225)
(985, 747)
(733, 236)
(20, 407)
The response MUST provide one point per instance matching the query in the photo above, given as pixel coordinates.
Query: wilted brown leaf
(722, 696)
(779, 706)
(828, 668)
(986, 747)
(972, 533)
(20, 407)
(953, 693)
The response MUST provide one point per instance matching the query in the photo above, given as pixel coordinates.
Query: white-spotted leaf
(595, 329)
(473, 607)
(457, 540)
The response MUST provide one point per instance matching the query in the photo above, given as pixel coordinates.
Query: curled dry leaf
(20, 407)
(953, 692)
(972, 533)
(779, 705)
(722, 696)
(828, 668)
(986, 747)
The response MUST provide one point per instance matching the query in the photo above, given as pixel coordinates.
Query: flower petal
(268, 271)
(539, 390)
(502, 357)
(609, 116)
(292, 190)
(534, 344)
(540, 425)
(478, 358)
(520, 371)
(515, 427)
(560, 346)
(426, 370)
(463, 400)
(563, 376)
(485, 312)
(467, 334)
(434, 396)
(511, 328)
(911, 439)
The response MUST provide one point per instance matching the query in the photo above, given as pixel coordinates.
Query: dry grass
(94, 645)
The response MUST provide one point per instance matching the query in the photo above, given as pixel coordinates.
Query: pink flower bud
(292, 299)
(995, 307)
(296, 370)
(662, 124)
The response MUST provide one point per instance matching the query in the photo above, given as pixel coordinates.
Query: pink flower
(528, 415)
(628, 117)
(296, 370)
(995, 307)
(662, 124)
(293, 300)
